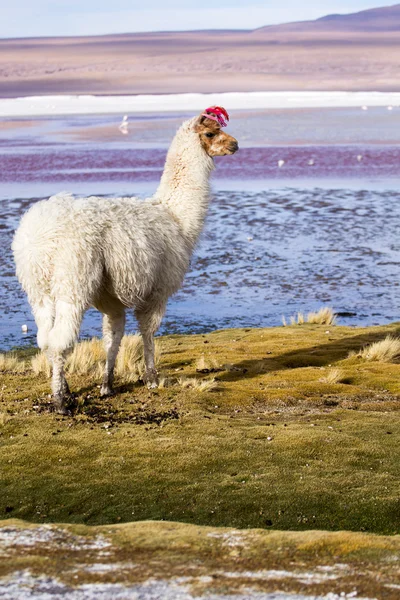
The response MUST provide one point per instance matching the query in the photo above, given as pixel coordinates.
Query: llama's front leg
(149, 321)
(59, 384)
(151, 375)
(113, 330)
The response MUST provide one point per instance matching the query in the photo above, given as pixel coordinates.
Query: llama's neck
(184, 187)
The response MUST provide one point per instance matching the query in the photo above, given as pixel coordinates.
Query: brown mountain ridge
(358, 51)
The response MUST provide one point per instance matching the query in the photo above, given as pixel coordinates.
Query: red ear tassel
(217, 113)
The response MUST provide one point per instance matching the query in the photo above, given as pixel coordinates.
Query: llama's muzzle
(233, 147)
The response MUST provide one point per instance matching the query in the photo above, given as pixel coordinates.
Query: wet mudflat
(319, 229)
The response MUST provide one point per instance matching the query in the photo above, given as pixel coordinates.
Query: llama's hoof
(106, 390)
(64, 404)
(151, 379)
(61, 407)
(63, 410)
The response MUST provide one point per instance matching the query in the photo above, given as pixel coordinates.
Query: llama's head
(213, 140)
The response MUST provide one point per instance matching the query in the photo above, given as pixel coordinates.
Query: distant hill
(359, 51)
(386, 18)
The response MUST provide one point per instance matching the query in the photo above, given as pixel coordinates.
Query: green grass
(272, 447)
(296, 444)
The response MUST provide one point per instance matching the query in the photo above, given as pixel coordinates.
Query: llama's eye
(210, 135)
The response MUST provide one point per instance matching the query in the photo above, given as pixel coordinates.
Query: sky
(32, 18)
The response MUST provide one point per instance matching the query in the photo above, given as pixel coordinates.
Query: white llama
(117, 253)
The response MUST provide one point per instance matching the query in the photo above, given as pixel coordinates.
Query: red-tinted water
(322, 229)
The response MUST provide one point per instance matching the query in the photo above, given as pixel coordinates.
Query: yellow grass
(198, 385)
(130, 364)
(4, 418)
(334, 376)
(11, 364)
(88, 358)
(324, 316)
(40, 364)
(386, 350)
(204, 364)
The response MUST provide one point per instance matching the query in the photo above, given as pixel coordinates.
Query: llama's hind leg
(113, 330)
(149, 320)
(59, 385)
(44, 313)
(61, 340)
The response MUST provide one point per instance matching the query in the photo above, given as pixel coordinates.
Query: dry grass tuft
(4, 418)
(40, 364)
(297, 319)
(334, 376)
(325, 316)
(207, 365)
(88, 358)
(9, 363)
(130, 362)
(198, 385)
(387, 350)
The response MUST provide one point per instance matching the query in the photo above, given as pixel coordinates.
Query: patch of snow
(230, 539)
(87, 104)
(106, 567)
(24, 586)
(46, 534)
(303, 577)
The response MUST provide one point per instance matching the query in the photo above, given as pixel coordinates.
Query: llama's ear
(199, 121)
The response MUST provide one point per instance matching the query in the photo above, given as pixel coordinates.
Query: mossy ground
(272, 447)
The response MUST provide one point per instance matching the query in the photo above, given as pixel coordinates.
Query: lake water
(320, 230)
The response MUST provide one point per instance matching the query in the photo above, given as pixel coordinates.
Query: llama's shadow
(90, 391)
(313, 356)
(112, 411)
(106, 413)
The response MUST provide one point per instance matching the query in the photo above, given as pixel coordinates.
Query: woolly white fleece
(106, 252)
(112, 253)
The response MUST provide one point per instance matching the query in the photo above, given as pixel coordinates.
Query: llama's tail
(33, 272)
(31, 255)
(59, 268)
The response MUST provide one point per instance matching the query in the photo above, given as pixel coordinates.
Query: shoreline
(89, 104)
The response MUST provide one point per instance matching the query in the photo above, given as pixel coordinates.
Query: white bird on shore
(123, 126)
(281, 163)
(359, 157)
(364, 107)
(311, 162)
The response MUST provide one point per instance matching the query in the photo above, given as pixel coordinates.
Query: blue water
(276, 241)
